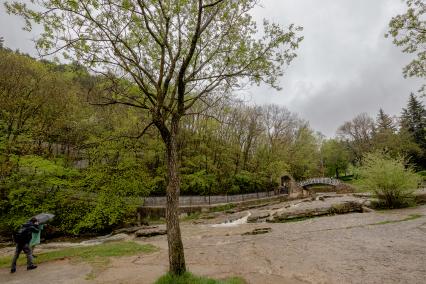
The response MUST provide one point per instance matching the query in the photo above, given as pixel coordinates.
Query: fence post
(139, 218)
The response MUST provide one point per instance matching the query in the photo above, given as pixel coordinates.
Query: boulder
(151, 231)
(129, 230)
(319, 209)
(257, 216)
(365, 209)
(115, 238)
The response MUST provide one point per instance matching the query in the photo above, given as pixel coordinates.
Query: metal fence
(206, 200)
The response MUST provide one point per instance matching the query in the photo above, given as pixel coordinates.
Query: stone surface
(151, 231)
(258, 231)
(324, 206)
(258, 216)
(365, 209)
(129, 230)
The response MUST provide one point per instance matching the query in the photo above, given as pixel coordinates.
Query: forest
(91, 163)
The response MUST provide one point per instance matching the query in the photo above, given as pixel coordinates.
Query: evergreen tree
(414, 120)
(384, 122)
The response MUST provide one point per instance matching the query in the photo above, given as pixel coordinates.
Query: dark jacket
(23, 236)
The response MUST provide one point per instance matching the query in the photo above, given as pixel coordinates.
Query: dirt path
(334, 249)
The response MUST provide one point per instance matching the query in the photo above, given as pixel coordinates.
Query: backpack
(22, 235)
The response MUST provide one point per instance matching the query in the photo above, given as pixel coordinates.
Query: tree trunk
(176, 254)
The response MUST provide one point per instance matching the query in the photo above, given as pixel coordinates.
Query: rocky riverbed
(374, 247)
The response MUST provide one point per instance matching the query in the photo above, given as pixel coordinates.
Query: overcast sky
(344, 67)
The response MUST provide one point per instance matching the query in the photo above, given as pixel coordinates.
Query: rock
(151, 231)
(258, 231)
(344, 188)
(104, 239)
(365, 209)
(205, 210)
(367, 203)
(420, 196)
(257, 216)
(115, 238)
(129, 230)
(317, 208)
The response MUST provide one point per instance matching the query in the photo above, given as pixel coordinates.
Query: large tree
(358, 134)
(409, 32)
(176, 52)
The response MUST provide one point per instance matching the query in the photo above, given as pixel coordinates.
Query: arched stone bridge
(314, 181)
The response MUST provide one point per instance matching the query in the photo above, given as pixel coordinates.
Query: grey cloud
(345, 66)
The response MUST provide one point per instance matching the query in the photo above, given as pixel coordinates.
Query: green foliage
(388, 178)
(408, 31)
(88, 253)
(34, 186)
(188, 278)
(336, 157)
(199, 183)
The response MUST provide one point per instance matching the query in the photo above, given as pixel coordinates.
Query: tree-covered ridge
(87, 163)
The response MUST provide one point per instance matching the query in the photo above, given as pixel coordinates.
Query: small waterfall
(237, 222)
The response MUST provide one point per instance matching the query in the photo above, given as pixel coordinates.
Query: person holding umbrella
(35, 239)
(22, 239)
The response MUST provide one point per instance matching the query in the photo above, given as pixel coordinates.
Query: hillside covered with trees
(63, 150)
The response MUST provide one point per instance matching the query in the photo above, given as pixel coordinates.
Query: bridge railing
(196, 200)
(206, 200)
(312, 181)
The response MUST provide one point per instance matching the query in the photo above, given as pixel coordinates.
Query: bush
(391, 180)
(94, 200)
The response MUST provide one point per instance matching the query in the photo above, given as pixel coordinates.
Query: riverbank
(377, 247)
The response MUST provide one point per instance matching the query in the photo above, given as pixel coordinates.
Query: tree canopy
(176, 52)
(408, 31)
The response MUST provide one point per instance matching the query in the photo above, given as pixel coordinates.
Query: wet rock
(316, 208)
(107, 238)
(257, 217)
(420, 196)
(365, 209)
(114, 238)
(258, 231)
(151, 231)
(129, 230)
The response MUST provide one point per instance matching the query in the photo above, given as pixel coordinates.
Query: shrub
(391, 180)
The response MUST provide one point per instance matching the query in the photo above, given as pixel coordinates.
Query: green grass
(223, 207)
(191, 216)
(97, 254)
(410, 217)
(189, 278)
